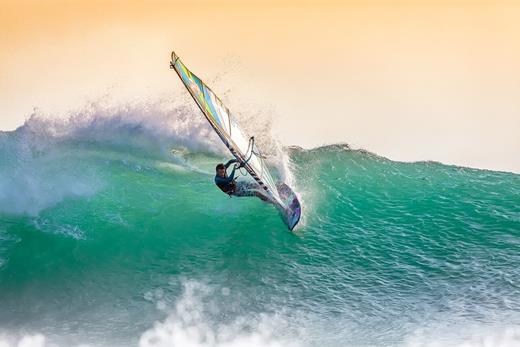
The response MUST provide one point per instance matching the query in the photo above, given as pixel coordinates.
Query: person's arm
(232, 174)
(230, 162)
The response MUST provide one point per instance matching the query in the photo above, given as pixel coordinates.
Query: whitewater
(112, 233)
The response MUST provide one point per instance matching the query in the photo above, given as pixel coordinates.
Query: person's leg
(249, 189)
(243, 189)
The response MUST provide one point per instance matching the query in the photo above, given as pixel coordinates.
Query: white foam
(197, 318)
(189, 325)
(36, 340)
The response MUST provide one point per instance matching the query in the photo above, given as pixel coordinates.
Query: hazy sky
(411, 80)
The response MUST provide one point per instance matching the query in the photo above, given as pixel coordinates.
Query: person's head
(221, 170)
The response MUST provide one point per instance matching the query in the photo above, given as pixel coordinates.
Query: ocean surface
(112, 233)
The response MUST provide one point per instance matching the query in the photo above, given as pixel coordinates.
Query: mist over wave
(39, 169)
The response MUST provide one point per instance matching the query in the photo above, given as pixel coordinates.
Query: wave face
(110, 238)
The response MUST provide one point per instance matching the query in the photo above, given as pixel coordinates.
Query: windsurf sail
(242, 147)
(226, 126)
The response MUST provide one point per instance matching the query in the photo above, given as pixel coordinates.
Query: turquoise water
(108, 239)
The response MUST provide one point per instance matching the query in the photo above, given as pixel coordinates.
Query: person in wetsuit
(229, 186)
(226, 183)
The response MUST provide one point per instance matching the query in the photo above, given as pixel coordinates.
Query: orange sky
(412, 80)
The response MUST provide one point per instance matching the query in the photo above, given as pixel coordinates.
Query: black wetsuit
(227, 184)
